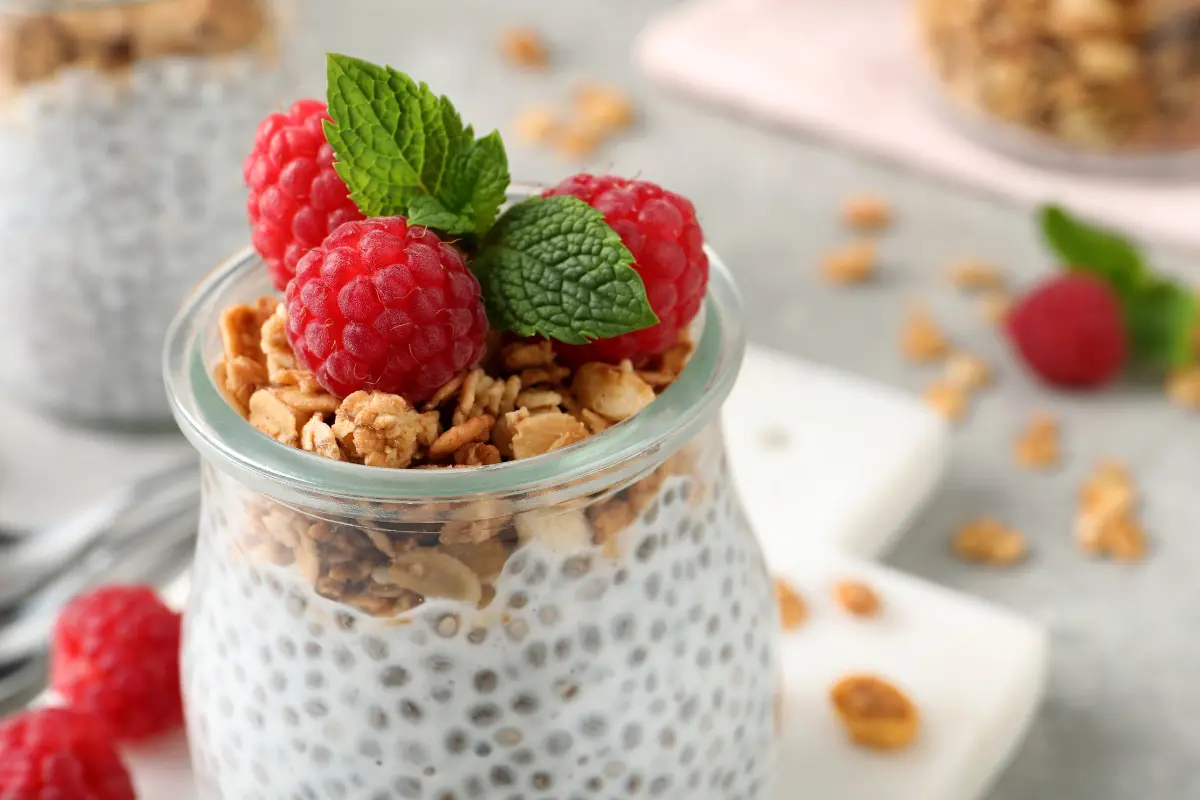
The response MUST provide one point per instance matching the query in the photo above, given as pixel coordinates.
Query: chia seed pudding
(122, 132)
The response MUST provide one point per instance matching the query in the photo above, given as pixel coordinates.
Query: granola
(866, 212)
(857, 597)
(874, 712)
(1105, 520)
(922, 339)
(852, 263)
(793, 611)
(524, 47)
(988, 541)
(1038, 445)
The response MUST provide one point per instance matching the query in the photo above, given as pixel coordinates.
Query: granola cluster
(520, 404)
(35, 47)
(1106, 75)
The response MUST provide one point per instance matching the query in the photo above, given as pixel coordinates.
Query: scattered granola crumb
(1037, 447)
(973, 275)
(575, 141)
(851, 263)
(948, 399)
(602, 107)
(867, 212)
(922, 339)
(967, 371)
(1105, 521)
(874, 712)
(987, 541)
(524, 47)
(994, 306)
(539, 125)
(793, 611)
(856, 597)
(1183, 387)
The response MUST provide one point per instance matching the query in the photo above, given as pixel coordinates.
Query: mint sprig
(551, 266)
(1161, 315)
(403, 150)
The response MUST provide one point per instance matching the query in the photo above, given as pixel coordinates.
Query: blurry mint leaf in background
(1098, 252)
(552, 266)
(1161, 322)
(396, 141)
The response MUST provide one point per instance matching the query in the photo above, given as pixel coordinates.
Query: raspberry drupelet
(385, 306)
(296, 198)
(58, 753)
(660, 229)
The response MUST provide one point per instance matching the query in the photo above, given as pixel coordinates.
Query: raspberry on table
(296, 198)
(56, 753)
(115, 654)
(385, 306)
(661, 231)
(1070, 331)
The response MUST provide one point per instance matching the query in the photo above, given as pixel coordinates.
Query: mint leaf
(552, 266)
(1161, 321)
(430, 212)
(396, 141)
(1101, 253)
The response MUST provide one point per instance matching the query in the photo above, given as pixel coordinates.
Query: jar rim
(224, 438)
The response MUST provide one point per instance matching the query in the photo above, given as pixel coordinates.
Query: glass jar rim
(223, 437)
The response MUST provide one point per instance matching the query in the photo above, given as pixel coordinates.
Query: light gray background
(1122, 717)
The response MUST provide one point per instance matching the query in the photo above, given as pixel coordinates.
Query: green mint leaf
(396, 141)
(430, 212)
(1161, 321)
(1084, 248)
(553, 267)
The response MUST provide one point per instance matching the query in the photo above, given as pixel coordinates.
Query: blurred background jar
(1107, 84)
(122, 132)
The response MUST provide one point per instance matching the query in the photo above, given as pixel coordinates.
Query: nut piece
(611, 392)
(1183, 387)
(994, 306)
(849, 264)
(987, 541)
(857, 598)
(875, 713)
(867, 212)
(947, 399)
(538, 434)
(922, 340)
(537, 125)
(476, 429)
(603, 108)
(382, 430)
(317, 437)
(1038, 445)
(524, 48)
(967, 371)
(276, 418)
(1105, 523)
(793, 611)
(972, 275)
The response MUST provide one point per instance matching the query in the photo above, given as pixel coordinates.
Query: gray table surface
(1122, 716)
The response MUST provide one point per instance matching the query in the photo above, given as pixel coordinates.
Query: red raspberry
(55, 753)
(296, 198)
(116, 654)
(660, 229)
(1070, 332)
(385, 306)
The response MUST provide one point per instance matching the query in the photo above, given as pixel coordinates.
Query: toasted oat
(967, 371)
(875, 713)
(537, 434)
(317, 437)
(445, 392)
(276, 418)
(475, 523)
(677, 355)
(274, 343)
(477, 454)
(240, 328)
(1183, 387)
(534, 399)
(851, 263)
(866, 212)
(476, 429)
(524, 47)
(508, 395)
(922, 339)
(994, 306)
(947, 399)
(382, 430)
(972, 274)
(1038, 445)
(608, 520)
(595, 423)
(243, 377)
(300, 379)
(603, 108)
(318, 402)
(432, 574)
(535, 376)
(524, 355)
(505, 428)
(1105, 523)
(793, 611)
(537, 125)
(987, 541)
(611, 392)
(480, 394)
(856, 597)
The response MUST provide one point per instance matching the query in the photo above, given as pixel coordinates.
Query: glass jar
(594, 622)
(123, 127)
(1112, 85)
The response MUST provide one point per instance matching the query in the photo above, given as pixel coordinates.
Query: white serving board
(857, 462)
(850, 71)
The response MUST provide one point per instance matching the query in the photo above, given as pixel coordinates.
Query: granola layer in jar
(1104, 83)
(590, 617)
(123, 127)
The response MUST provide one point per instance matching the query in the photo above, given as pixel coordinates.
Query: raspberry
(116, 654)
(1069, 331)
(660, 229)
(385, 306)
(56, 753)
(296, 198)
